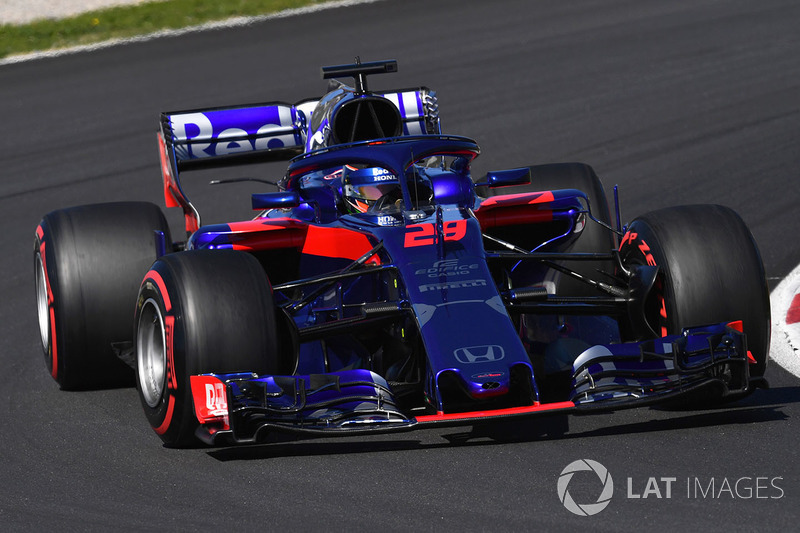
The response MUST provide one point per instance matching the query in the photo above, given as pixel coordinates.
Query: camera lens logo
(585, 509)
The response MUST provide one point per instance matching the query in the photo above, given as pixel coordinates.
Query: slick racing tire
(88, 264)
(594, 238)
(200, 311)
(710, 272)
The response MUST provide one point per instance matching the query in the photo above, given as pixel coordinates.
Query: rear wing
(201, 136)
(225, 136)
(419, 110)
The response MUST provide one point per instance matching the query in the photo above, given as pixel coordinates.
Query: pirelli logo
(453, 285)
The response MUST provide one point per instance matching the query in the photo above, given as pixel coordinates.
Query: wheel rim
(42, 302)
(151, 353)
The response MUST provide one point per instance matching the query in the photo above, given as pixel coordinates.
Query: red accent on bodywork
(510, 216)
(166, 173)
(210, 400)
(173, 195)
(337, 242)
(737, 325)
(511, 209)
(525, 198)
(793, 314)
(538, 408)
(267, 234)
(190, 222)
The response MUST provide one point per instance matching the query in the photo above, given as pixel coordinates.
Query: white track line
(228, 23)
(785, 337)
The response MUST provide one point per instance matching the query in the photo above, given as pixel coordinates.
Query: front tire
(199, 312)
(710, 272)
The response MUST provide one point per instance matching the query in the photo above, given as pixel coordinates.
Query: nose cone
(490, 382)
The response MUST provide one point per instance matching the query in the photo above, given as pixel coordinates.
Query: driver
(375, 189)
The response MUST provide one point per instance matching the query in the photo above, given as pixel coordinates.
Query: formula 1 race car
(384, 288)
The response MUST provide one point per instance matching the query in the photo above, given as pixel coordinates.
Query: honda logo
(479, 354)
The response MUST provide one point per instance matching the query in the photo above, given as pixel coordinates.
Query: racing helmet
(363, 188)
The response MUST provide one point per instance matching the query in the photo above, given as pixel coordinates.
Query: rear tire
(711, 272)
(200, 312)
(88, 263)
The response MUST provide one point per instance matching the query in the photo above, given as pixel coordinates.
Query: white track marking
(785, 346)
(228, 23)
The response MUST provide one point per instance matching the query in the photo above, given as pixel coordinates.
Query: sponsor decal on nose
(480, 354)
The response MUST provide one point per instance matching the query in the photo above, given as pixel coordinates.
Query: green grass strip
(128, 21)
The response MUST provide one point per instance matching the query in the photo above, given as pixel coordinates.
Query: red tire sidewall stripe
(168, 417)
(53, 348)
(53, 344)
(156, 278)
(169, 326)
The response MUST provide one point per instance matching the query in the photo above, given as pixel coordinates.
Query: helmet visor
(370, 193)
(363, 187)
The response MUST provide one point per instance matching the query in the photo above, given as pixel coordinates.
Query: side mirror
(505, 178)
(452, 189)
(276, 200)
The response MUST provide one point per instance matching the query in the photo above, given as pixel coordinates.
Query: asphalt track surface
(689, 101)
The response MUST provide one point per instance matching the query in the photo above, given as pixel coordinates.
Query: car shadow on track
(760, 407)
(706, 419)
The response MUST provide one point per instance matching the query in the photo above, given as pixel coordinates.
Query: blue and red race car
(385, 288)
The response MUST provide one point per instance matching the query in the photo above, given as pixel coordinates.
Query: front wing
(245, 408)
